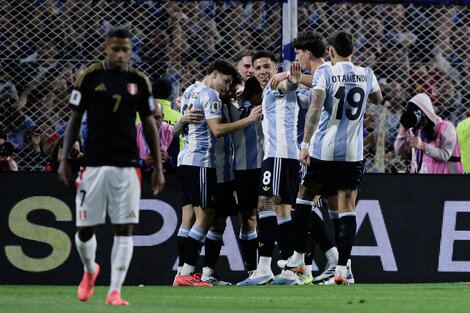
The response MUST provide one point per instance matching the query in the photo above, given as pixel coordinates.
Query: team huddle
(266, 178)
(263, 144)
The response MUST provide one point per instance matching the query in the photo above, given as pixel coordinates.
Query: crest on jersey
(132, 89)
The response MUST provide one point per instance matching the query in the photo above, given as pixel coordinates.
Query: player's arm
(311, 123)
(71, 135)
(305, 79)
(190, 116)
(375, 97)
(151, 136)
(292, 81)
(220, 129)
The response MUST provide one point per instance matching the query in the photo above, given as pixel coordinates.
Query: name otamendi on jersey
(339, 136)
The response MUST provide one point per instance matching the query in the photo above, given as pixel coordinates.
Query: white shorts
(107, 188)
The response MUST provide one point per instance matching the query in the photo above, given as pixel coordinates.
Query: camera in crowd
(6, 149)
(74, 153)
(413, 117)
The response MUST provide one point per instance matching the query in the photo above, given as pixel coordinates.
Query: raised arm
(292, 81)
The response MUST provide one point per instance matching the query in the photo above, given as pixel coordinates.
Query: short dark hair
(312, 41)
(241, 54)
(263, 54)
(223, 66)
(252, 87)
(162, 88)
(343, 43)
(119, 32)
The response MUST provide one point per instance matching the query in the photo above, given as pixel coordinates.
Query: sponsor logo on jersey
(266, 188)
(132, 89)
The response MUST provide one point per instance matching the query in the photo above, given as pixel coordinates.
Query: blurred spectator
(394, 16)
(162, 91)
(170, 147)
(75, 156)
(449, 101)
(6, 152)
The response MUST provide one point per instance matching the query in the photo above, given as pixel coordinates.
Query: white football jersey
(339, 136)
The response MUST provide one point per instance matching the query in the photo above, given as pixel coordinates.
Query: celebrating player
(340, 94)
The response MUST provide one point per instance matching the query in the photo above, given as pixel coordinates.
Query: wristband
(304, 145)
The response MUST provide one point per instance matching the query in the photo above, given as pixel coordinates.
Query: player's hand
(295, 73)
(255, 114)
(64, 172)
(158, 180)
(304, 157)
(192, 116)
(276, 79)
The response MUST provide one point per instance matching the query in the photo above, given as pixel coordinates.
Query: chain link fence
(44, 43)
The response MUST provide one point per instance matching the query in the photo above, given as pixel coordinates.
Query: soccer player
(111, 92)
(225, 193)
(248, 155)
(334, 153)
(280, 167)
(196, 162)
(244, 66)
(310, 48)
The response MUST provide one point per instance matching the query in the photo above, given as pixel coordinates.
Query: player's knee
(85, 233)
(123, 229)
(268, 203)
(248, 222)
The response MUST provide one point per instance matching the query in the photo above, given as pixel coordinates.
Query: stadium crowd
(45, 43)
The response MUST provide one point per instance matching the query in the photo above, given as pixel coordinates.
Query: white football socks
(264, 264)
(87, 252)
(207, 271)
(187, 269)
(332, 256)
(121, 256)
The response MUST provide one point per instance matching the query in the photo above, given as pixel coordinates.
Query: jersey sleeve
(212, 105)
(78, 98)
(319, 81)
(146, 105)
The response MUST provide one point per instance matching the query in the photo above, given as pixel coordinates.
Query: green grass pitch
(377, 298)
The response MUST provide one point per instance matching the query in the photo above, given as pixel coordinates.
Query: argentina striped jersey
(339, 136)
(199, 147)
(223, 153)
(247, 142)
(280, 112)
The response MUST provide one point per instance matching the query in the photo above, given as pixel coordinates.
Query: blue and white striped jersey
(199, 147)
(247, 142)
(223, 153)
(280, 112)
(304, 98)
(339, 134)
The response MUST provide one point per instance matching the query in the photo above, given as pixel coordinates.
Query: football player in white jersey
(196, 161)
(332, 146)
(310, 48)
(280, 168)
